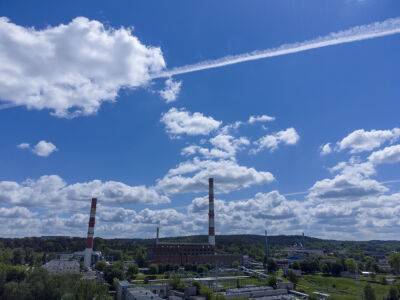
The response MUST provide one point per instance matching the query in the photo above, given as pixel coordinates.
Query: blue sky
(126, 151)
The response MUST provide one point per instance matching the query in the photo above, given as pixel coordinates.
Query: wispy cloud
(354, 34)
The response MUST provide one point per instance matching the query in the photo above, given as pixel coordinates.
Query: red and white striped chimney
(211, 225)
(89, 242)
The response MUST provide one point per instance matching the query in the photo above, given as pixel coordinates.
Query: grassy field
(341, 288)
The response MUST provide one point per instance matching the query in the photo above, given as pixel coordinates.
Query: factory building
(194, 253)
(136, 293)
(62, 266)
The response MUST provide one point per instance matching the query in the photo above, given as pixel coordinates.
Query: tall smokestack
(89, 242)
(158, 234)
(211, 225)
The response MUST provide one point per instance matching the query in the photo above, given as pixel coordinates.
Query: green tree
(100, 265)
(132, 271)
(202, 269)
(18, 256)
(29, 256)
(177, 284)
(153, 269)
(296, 265)
(293, 278)
(116, 270)
(336, 268)
(370, 264)
(3, 277)
(394, 261)
(369, 293)
(325, 268)
(6, 256)
(272, 266)
(351, 265)
(393, 294)
(14, 290)
(87, 289)
(272, 281)
(15, 273)
(206, 292)
(140, 256)
(309, 266)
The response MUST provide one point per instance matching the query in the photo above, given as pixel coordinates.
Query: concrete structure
(194, 253)
(299, 295)
(211, 224)
(62, 266)
(187, 293)
(139, 293)
(96, 256)
(321, 296)
(129, 291)
(260, 292)
(285, 285)
(89, 243)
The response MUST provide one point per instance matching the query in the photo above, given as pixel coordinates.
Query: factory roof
(142, 293)
(179, 243)
(62, 266)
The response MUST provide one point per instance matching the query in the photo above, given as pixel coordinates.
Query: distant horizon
(197, 235)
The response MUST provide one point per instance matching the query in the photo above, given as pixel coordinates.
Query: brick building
(194, 253)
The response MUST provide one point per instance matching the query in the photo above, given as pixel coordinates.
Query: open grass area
(341, 288)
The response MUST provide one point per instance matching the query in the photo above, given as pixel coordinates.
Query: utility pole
(266, 252)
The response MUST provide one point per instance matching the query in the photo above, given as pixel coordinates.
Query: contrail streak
(354, 34)
(308, 191)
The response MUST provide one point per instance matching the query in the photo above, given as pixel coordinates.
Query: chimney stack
(89, 242)
(158, 234)
(211, 225)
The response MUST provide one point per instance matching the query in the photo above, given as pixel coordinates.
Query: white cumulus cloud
(44, 148)
(23, 146)
(15, 212)
(261, 119)
(361, 140)
(325, 149)
(71, 69)
(387, 155)
(192, 176)
(171, 90)
(223, 146)
(272, 141)
(52, 190)
(180, 122)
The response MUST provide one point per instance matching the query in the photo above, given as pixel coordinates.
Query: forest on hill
(252, 245)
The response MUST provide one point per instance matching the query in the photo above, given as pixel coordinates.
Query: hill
(243, 244)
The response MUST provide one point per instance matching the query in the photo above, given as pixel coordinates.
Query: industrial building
(62, 266)
(261, 292)
(194, 253)
(127, 291)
